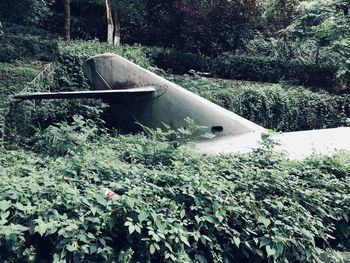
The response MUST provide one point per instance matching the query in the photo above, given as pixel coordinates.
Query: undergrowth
(172, 205)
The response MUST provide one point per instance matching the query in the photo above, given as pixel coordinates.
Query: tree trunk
(67, 19)
(110, 26)
(116, 30)
(317, 55)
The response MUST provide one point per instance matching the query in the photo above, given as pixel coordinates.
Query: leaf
(237, 241)
(182, 213)
(307, 233)
(210, 219)
(71, 248)
(344, 229)
(264, 241)
(4, 215)
(20, 228)
(279, 249)
(130, 202)
(184, 240)
(143, 215)
(265, 221)
(152, 249)
(41, 228)
(270, 251)
(92, 249)
(4, 205)
(131, 228)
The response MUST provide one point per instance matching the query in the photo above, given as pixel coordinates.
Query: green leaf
(270, 251)
(4, 215)
(184, 240)
(131, 228)
(20, 228)
(182, 213)
(143, 215)
(307, 233)
(237, 241)
(138, 229)
(41, 228)
(152, 249)
(71, 248)
(265, 221)
(264, 241)
(4, 205)
(130, 202)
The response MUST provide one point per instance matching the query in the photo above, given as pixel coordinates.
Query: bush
(14, 77)
(267, 69)
(243, 67)
(272, 106)
(176, 61)
(250, 208)
(70, 56)
(67, 74)
(23, 43)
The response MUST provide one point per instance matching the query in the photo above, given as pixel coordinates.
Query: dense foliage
(66, 74)
(13, 77)
(244, 67)
(327, 24)
(26, 43)
(178, 62)
(279, 107)
(171, 205)
(266, 69)
(70, 56)
(271, 106)
(309, 37)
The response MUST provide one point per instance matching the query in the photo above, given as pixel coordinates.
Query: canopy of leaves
(328, 23)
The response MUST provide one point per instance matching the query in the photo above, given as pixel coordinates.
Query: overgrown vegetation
(247, 67)
(179, 206)
(65, 75)
(70, 56)
(171, 204)
(26, 43)
(305, 42)
(279, 107)
(13, 78)
(272, 106)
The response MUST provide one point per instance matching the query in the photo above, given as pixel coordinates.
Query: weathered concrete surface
(171, 104)
(297, 145)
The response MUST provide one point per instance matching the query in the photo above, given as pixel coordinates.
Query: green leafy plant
(195, 208)
(278, 107)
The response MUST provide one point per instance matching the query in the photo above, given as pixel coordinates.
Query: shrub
(267, 69)
(70, 56)
(243, 67)
(14, 76)
(230, 208)
(176, 61)
(67, 74)
(23, 43)
(272, 106)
